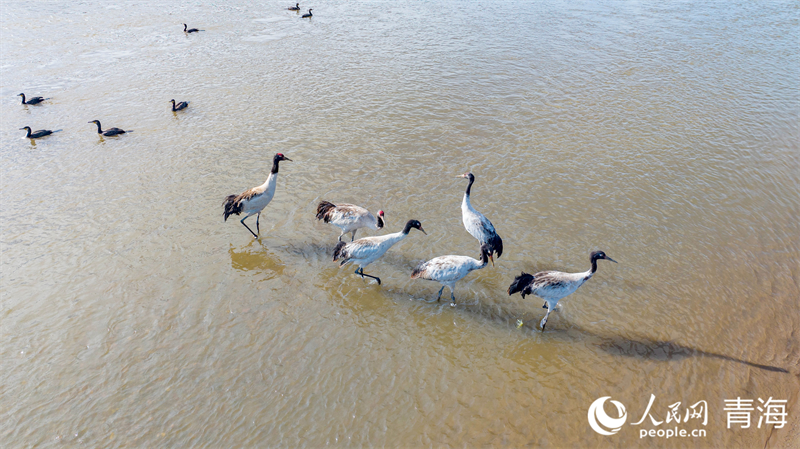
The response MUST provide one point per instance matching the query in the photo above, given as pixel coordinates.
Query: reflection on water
(256, 257)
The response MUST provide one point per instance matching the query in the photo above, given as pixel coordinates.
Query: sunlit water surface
(133, 316)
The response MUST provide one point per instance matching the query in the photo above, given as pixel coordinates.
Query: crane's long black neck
(173, 105)
(184, 27)
(408, 227)
(99, 129)
(381, 223)
(23, 98)
(275, 166)
(469, 186)
(594, 264)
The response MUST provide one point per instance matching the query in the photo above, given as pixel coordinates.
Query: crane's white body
(363, 252)
(554, 285)
(475, 222)
(256, 199)
(349, 218)
(447, 270)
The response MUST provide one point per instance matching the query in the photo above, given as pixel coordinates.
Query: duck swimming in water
(109, 131)
(296, 7)
(36, 134)
(190, 30)
(33, 100)
(179, 106)
(306, 16)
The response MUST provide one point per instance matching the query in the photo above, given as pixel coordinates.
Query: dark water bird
(296, 7)
(349, 218)
(553, 285)
(109, 131)
(253, 201)
(363, 252)
(190, 30)
(304, 16)
(447, 270)
(36, 134)
(32, 100)
(179, 106)
(477, 224)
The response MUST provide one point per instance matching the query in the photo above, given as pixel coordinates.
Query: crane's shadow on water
(644, 348)
(650, 349)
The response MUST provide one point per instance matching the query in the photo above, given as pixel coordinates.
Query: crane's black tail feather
(323, 210)
(496, 245)
(232, 207)
(520, 282)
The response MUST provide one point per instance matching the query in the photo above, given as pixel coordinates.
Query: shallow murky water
(665, 135)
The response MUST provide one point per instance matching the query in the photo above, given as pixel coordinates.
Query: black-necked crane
(349, 218)
(447, 270)
(179, 106)
(553, 285)
(190, 30)
(296, 7)
(253, 201)
(32, 100)
(364, 251)
(477, 224)
(109, 131)
(36, 134)
(306, 16)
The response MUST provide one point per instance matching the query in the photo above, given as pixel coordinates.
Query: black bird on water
(295, 7)
(108, 132)
(179, 106)
(36, 134)
(34, 100)
(304, 16)
(190, 30)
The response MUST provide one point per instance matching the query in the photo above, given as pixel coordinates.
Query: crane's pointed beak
(287, 159)
(608, 258)
(423, 231)
(460, 176)
(491, 257)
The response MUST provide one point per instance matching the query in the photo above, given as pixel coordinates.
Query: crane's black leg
(248, 227)
(544, 320)
(360, 272)
(353, 234)
(440, 294)
(258, 217)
